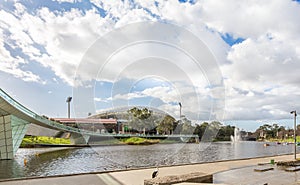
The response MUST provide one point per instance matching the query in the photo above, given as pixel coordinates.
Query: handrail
(15, 103)
(35, 116)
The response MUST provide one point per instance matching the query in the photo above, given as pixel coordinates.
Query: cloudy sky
(227, 60)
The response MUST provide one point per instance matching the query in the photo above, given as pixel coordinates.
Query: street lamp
(180, 106)
(69, 99)
(295, 115)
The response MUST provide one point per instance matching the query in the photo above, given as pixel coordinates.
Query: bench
(196, 177)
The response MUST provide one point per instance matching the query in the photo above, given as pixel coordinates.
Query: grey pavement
(136, 177)
(85, 179)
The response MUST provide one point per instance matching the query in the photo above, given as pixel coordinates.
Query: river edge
(138, 170)
(85, 158)
(41, 145)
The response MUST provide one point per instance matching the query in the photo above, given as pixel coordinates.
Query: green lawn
(288, 140)
(29, 140)
(139, 141)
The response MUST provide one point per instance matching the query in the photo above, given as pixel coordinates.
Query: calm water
(81, 160)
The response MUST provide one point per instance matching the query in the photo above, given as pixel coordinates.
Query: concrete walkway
(136, 177)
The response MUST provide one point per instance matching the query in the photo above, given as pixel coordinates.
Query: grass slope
(30, 140)
(139, 141)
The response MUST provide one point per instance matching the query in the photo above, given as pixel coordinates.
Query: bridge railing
(16, 104)
(37, 117)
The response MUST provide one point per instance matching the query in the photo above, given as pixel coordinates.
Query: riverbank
(139, 141)
(286, 140)
(137, 176)
(43, 141)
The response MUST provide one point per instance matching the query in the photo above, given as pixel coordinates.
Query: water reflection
(46, 163)
(80, 160)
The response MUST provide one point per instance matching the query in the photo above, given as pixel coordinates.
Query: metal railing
(38, 118)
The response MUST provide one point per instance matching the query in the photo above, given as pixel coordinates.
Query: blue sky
(255, 46)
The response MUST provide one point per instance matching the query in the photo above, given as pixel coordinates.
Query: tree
(200, 129)
(187, 127)
(225, 132)
(214, 131)
(177, 127)
(270, 131)
(211, 130)
(166, 125)
(141, 119)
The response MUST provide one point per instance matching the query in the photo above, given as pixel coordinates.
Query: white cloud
(251, 18)
(67, 1)
(261, 79)
(263, 60)
(11, 65)
(261, 74)
(166, 94)
(64, 36)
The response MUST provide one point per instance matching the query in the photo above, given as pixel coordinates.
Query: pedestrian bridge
(15, 118)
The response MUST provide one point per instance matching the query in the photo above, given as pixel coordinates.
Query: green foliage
(214, 131)
(200, 129)
(29, 140)
(140, 113)
(139, 141)
(140, 119)
(225, 132)
(166, 125)
(187, 127)
(270, 131)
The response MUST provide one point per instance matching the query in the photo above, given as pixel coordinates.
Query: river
(46, 162)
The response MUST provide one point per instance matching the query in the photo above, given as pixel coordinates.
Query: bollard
(272, 161)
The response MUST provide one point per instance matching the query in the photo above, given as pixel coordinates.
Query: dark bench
(263, 169)
(196, 177)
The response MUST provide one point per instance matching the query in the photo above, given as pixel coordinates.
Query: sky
(233, 61)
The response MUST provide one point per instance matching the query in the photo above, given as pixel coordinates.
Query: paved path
(136, 177)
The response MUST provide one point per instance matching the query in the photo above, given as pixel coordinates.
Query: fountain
(237, 135)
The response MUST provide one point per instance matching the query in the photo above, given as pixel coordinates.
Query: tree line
(274, 131)
(144, 120)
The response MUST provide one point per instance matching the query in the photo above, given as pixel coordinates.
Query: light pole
(295, 140)
(69, 99)
(180, 107)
